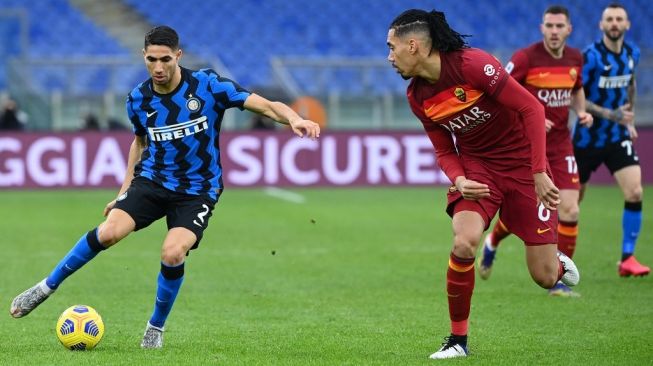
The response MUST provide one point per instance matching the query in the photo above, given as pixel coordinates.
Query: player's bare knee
(172, 256)
(634, 195)
(465, 245)
(569, 211)
(545, 277)
(546, 281)
(108, 234)
(545, 274)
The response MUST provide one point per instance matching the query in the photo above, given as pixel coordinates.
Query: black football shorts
(146, 202)
(614, 156)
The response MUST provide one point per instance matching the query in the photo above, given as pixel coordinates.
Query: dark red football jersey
(492, 117)
(552, 81)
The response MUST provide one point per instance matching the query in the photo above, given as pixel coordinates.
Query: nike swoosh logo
(544, 74)
(542, 231)
(429, 108)
(607, 67)
(574, 180)
(450, 295)
(150, 114)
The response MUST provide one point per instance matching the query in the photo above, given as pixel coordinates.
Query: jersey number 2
(201, 215)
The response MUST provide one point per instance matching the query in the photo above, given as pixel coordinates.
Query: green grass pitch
(350, 277)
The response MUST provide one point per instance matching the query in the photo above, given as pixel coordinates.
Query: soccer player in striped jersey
(551, 71)
(496, 163)
(173, 170)
(609, 82)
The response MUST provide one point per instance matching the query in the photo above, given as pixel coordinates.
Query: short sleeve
(636, 55)
(483, 71)
(579, 80)
(137, 127)
(518, 66)
(227, 92)
(589, 63)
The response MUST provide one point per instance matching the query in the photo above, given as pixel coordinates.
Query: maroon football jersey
(492, 117)
(552, 81)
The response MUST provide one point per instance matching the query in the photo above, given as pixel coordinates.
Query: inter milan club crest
(193, 104)
(573, 74)
(460, 94)
(122, 197)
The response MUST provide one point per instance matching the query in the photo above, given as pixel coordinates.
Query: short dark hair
(616, 5)
(557, 9)
(433, 23)
(162, 36)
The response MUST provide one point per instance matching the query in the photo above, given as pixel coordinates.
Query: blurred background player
(609, 82)
(498, 161)
(551, 71)
(176, 171)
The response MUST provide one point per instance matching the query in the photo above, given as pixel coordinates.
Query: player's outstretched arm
(282, 114)
(135, 152)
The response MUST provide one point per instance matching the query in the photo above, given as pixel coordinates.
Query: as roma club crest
(573, 74)
(460, 94)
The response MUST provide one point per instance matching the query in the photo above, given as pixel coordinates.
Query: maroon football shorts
(563, 165)
(512, 194)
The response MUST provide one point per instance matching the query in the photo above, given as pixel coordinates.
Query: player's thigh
(630, 182)
(530, 221)
(177, 243)
(568, 208)
(468, 227)
(191, 212)
(144, 201)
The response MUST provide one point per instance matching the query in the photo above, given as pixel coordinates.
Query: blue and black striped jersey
(182, 129)
(606, 77)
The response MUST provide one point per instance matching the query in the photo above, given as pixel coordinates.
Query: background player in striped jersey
(498, 161)
(551, 71)
(609, 82)
(173, 170)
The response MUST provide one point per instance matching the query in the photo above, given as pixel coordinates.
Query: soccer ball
(80, 327)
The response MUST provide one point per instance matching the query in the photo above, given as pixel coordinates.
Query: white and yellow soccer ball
(80, 327)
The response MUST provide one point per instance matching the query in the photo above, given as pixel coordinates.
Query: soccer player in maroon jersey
(551, 72)
(497, 160)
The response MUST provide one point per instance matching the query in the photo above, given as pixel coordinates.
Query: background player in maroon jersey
(497, 161)
(552, 73)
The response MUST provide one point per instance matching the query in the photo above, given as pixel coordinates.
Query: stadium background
(65, 60)
(315, 276)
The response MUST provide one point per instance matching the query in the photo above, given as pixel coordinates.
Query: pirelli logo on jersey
(614, 82)
(178, 131)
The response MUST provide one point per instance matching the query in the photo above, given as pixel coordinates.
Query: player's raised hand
(472, 190)
(304, 127)
(547, 193)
